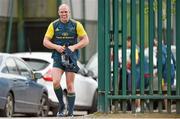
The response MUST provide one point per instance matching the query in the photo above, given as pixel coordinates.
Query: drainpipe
(20, 26)
(83, 23)
(71, 7)
(10, 13)
(59, 2)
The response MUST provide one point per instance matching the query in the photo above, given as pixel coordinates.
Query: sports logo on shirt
(57, 29)
(65, 34)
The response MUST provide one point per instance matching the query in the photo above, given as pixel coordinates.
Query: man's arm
(84, 40)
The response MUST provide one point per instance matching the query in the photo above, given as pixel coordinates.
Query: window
(23, 69)
(36, 64)
(11, 66)
(4, 69)
(1, 60)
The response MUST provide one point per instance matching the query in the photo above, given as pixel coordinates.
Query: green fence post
(133, 50)
(159, 49)
(107, 54)
(177, 56)
(116, 43)
(101, 56)
(124, 37)
(151, 38)
(141, 7)
(168, 40)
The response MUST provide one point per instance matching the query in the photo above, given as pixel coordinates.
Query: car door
(33, 90)
(17, 83)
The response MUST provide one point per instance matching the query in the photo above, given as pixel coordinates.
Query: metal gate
(144, 21)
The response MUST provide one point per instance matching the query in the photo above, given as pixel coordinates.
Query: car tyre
(54, 111)
(9, 107)
(44, 106)
(94, 104)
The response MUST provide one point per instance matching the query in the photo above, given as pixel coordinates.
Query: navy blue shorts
(58, 64)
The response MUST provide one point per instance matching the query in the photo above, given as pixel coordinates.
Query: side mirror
(37, 76)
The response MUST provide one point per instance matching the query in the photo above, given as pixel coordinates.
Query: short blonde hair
(62, 6)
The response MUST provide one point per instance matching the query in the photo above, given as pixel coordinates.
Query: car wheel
(94, 104)
(44, 106)
(9, 107)
(54, 111)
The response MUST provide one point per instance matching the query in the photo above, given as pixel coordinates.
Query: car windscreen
(36, 64)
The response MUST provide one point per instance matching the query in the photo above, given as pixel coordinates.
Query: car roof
(5, 54)
(35, 55)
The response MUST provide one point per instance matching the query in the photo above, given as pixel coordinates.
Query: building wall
(40, 8)
(4, 8)
(2, 34)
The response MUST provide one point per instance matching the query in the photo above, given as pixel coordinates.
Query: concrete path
(127, 115)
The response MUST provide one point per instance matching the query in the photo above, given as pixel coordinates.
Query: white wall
(4, 6)
(90, 9)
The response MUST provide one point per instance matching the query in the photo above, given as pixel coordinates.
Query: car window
(0, 60)
(36, 64)
(4, 69)
(23, 69)
(11, 66)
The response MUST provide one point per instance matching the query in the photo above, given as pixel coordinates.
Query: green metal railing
(146, 21)
(10, 23)
(20, 28)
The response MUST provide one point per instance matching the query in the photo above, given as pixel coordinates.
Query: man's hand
(72, 48)
(60, 49)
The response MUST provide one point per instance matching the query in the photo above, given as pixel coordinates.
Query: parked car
(92, 65)
(19, 91)
(85, 87)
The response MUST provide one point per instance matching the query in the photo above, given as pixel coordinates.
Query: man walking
(62, 37)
